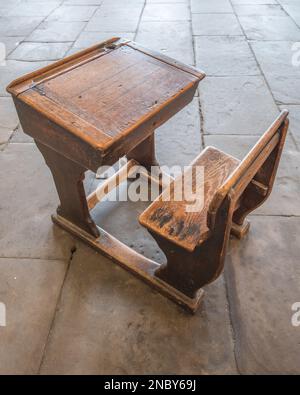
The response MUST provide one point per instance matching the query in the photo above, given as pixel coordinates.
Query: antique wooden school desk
(103, 103)
(91, 109)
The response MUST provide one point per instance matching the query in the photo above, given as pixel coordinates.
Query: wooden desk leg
(68, 177)
(144, 153)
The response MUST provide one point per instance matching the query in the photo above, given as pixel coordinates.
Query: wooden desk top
(108, 92)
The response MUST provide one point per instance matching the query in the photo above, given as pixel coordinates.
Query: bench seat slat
(171, 220)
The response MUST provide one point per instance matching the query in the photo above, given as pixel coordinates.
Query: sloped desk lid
(106, 91)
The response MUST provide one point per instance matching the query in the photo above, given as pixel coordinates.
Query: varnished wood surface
(30, 80)
(170, 218)
(109, 92)
(114, 91)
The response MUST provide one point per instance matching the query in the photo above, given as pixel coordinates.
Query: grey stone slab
(20, 137)
(237, 146)
(40, 51)
(264, 9)
(111, 19)
(286, 90)
(262, 27)
(130, 11)
(216, 25)
(6, 5)
(10, 43)
(282, 200)
(282, 72)
(294, 117)
(107, 24)
(8, 115)
(212, 6)
(27, 202)
(87, 39)
(236, 105)
(160, 37)
(119, 4)
(29, 288)
(178, 141)
(18, 26)
(68, 13)
(118, 325)
(83, 2)
(56, 32)
(263, 277)
(225, 56)
(267, 52)
(164, 1)
(166, 12)
(34, 8)
(293, 9)
(255, 2)
(5, 135)
(291, 2)
(14, 69)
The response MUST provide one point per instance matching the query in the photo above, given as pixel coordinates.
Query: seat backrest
(239, 179)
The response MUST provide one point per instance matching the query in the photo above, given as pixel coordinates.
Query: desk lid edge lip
(199, 74)
(12, 87)
(61, 122)
(109, 140)
(19, 93)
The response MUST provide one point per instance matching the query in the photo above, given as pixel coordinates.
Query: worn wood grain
(171, 219)
(108, 94)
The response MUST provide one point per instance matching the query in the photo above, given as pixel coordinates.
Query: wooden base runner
(132, 261)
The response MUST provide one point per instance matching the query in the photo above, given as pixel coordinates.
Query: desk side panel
(38, 126)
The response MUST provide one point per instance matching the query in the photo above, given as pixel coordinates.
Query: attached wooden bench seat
(171, 219)
(194, 243)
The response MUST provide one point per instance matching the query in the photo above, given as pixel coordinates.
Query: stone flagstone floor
(71, 311)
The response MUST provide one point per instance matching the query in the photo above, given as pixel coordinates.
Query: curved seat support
(190, 271)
